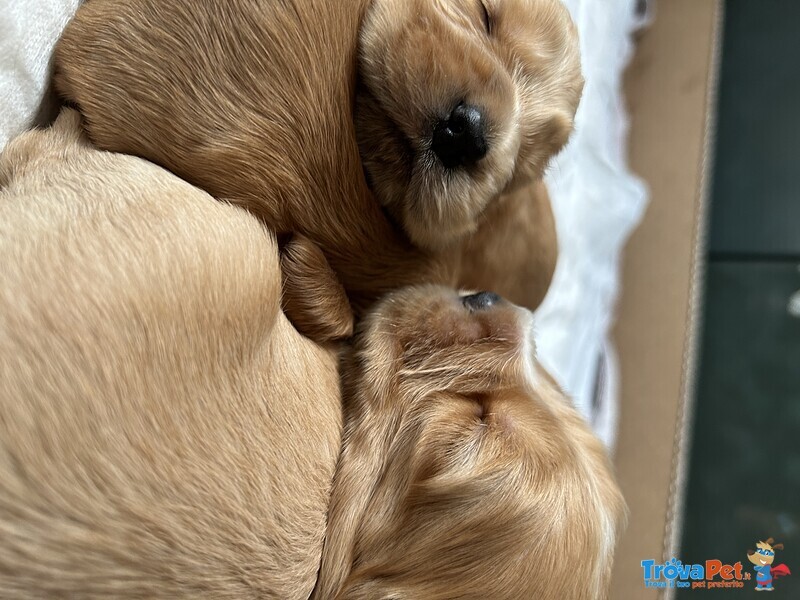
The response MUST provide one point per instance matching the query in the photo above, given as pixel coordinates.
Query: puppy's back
(163, 431)
(252, 101)
(244, 98)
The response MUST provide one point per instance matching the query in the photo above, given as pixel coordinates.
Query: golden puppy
(455, 103)
(164, 431)
(465, 472)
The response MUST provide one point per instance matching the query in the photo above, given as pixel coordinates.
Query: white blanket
(595, 199)
(597, 202)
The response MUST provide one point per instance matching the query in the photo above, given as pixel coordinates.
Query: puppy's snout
(481, 300)
(460, 140)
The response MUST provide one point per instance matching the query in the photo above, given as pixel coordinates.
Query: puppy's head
(464, 471)
(460, 100)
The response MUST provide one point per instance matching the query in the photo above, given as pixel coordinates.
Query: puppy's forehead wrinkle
(458, 17)
(462, 476)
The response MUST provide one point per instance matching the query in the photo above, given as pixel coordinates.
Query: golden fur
(164, 431)
(313, 297)
(255, 102)
(465, 472)
(515, 247)
(517, 61)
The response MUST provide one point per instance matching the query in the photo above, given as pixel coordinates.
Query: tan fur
(313, 298)
(251, 101)
(419, 59)
(515, 247)
(465, 473)
(254, 101)
(164, 431)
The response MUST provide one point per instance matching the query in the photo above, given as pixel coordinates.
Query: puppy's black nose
(460, 140)
(481, 300)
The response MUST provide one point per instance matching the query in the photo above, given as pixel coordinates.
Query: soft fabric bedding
(597, 202)
(29, 30)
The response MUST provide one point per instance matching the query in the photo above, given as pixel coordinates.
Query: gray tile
(756, 185)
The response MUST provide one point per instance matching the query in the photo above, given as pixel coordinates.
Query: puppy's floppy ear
(365, 447)
(313, 298)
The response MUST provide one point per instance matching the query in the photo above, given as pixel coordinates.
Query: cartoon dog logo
(763, 558)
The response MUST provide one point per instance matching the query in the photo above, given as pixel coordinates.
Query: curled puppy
(465, 473)
(455, 103)
(164, 430)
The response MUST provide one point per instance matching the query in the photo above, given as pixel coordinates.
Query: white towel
(29, 30)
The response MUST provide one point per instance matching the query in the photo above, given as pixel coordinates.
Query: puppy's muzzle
(481, 301)
(460, 140)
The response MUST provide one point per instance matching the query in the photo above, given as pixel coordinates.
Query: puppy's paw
(313, 299)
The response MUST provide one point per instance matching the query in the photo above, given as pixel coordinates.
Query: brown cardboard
(669, 86)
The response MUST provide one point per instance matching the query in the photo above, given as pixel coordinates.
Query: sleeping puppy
(164, 430)
(274, 105)
(465, 472)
